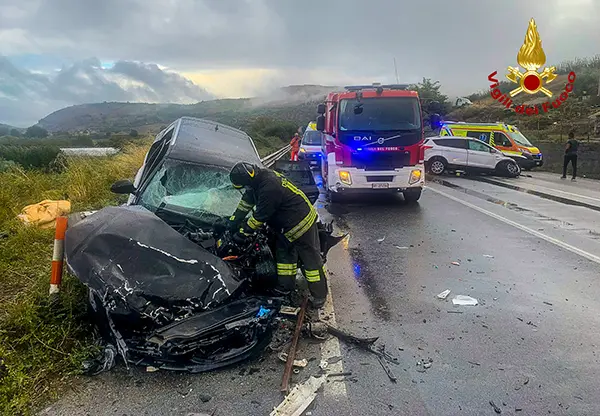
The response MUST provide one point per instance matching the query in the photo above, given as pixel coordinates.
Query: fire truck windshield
(380, 114)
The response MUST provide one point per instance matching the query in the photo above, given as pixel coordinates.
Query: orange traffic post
(58, 254)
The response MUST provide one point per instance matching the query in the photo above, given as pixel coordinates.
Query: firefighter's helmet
(242, 174)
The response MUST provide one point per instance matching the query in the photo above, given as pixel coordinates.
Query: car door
(480, 155)
(454, 151)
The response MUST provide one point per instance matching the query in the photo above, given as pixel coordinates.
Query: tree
(133, 133)
(429, 91)
(15, 133)
(4, 130)
(36, 131)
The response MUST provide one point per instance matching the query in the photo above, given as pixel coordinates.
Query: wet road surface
(530, 346)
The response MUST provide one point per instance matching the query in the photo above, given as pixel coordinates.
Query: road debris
(464, 300)
(401, 248)
(488, 256)
(444, 294)
(288, 310)
(205, 398)
(333, 360)
(455, 263)
(323, 365)
(345, 373)
(454, 311)
(526, 381)
(151, 369)
(473, 363)
(548, 303)
(299, 398)
(287, 373)
(387, 369)
(380, 240)
(297, 363)
(496, 408)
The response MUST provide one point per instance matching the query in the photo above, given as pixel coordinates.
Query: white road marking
(331, 348)
(552, 240)
(553, 190)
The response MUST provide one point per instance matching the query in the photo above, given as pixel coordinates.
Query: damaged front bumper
(161, 299)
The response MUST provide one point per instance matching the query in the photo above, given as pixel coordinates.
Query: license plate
(381, 185)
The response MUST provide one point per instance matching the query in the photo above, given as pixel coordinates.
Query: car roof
(459, 137)
(208, 142)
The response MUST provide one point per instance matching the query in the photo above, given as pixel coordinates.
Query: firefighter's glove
(240, 240)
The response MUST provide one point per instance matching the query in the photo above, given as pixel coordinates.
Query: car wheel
(437, 165)
(510, 168)
(412, 195)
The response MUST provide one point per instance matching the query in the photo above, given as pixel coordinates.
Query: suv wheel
(437, 166)
(509, 168)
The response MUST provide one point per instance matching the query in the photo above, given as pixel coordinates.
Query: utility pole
(398, 79)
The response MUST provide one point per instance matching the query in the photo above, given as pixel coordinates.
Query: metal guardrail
(270, 160)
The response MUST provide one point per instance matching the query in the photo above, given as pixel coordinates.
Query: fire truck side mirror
(321, 109)
(321, 122)
(436, 121)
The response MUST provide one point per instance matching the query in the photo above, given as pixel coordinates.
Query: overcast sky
(55, 53)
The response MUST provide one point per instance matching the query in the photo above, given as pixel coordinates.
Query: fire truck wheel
(412, 195)
(437, 165)
(333, 197)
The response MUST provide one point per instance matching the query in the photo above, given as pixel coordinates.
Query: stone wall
(588, 161)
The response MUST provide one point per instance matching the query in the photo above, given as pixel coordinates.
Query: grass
(42, 344)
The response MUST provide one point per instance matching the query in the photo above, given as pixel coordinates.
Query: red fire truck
(373, 141)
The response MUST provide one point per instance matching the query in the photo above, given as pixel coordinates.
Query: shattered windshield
(191, 189)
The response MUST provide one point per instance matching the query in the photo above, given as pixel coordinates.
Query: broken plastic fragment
(151, 369)
(401, 248)
(301, 396)
(444, 294)
(464, 300)
(380, 240)
(262, 312)
(323, 364)
(489, 256)
(456, 263)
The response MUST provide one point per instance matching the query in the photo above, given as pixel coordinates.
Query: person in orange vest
(295, 143)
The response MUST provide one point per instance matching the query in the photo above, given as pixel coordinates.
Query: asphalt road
(532, 342)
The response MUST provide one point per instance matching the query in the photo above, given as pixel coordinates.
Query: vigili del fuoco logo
(531, 58)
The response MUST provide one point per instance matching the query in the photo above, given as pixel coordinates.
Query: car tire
(437, 165)
(412, 195)
(509, 168)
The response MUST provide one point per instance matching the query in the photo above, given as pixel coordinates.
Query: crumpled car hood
(160, 299)
(136, 258)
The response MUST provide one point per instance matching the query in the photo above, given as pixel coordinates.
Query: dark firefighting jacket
(275, 201)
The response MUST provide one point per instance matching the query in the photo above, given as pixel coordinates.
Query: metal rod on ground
(58, 255)
(287, 373)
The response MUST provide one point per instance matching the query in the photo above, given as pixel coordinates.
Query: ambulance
(504, 137)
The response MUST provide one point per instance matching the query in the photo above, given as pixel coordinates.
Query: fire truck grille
(380, 160)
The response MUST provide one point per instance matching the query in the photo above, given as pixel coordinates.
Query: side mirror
(123, 187)
(321, 122)
(436, 121)
(321, 109)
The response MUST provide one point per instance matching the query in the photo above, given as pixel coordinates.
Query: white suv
(464, 153)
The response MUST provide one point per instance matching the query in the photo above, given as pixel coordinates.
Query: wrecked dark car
(159, 292)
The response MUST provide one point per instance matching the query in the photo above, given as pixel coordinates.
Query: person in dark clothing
(279, 203)
(571, 156)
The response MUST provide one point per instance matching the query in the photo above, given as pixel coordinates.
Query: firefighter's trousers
(305, 249)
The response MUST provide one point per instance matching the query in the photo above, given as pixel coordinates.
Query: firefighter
(295, 143)
(277, 202)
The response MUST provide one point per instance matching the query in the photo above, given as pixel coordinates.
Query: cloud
(26, 96)
(257, 42)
